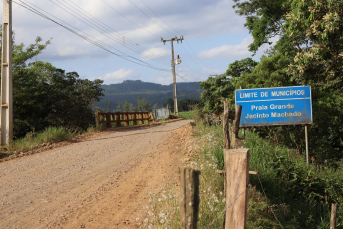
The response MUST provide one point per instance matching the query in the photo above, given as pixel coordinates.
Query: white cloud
(228, 51)
(154, 53)
(117, 76)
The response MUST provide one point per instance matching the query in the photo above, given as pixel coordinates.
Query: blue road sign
(275, 106)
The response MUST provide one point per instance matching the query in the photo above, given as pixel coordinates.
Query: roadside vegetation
(285, 194)
(34, 140)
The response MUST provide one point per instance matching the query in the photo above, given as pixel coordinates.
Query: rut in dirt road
(39, 189)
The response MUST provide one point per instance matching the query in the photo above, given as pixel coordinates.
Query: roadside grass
(285, 194)
(208, 144)
(33, 140)
(187, 114)
(299, 197)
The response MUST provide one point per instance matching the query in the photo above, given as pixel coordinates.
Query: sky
(129, 34)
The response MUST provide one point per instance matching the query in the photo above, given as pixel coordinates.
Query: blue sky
(214, 37)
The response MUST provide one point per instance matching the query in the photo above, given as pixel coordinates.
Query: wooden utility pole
(176, 111)
(6, 110)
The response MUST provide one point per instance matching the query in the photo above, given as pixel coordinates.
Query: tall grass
(285, 194)
(187, 114)
(300, 197)
(34, 140)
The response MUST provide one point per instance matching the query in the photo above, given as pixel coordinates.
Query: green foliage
(307, 53)
(215, 90)
(33, 139)
(264, 19)
(45, 96)
(187, 104)
(240, 67)
(119, 107)
(319, 64)
(301, 198)
(143, 104)
(54, 98)
(169, 104)
(186, 114)
(108, 105)
(127, 106)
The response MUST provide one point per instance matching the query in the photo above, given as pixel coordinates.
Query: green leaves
(45, 96)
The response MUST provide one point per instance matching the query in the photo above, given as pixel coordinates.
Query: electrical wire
(91, 40)
(100, 28)
(150, 17)
(130, 20)
(112, 30)
(179, 34)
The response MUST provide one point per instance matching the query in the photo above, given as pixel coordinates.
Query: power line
(100, 29)
(130, 20)
(121, 36)
(150, 18)
(179, 34)
(93, 40)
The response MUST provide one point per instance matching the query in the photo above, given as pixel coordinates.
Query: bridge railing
(121, 117)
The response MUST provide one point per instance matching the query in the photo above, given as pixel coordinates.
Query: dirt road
(98, 183)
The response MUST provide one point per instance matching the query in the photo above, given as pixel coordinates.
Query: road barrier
(119, 117)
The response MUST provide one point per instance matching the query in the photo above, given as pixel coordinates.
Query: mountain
(154, 93)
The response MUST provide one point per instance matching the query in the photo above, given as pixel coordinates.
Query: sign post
(276, 106)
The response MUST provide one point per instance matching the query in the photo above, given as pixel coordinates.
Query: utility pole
(6, 109)
(176, 111)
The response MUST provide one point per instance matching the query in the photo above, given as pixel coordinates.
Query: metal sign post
(306, 139)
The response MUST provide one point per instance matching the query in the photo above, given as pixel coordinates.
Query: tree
(44, 95)
(56, 99)
(320, 63)
(169, 104)
(239, 67)
(215, 90)
(127, 106)
(187, 104)
(307, 53)
(108, 105)
(119, 107)
(264, 19)
(143, 104)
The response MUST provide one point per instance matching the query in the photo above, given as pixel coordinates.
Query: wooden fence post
(97, 119)
(237, 120)
(126, 117)
(141, 117)
(134, 118)
(147, 117)
(333, 216)
(108, 120)
(237, 178)
(190, 200)
(226, 126)
(118, 119)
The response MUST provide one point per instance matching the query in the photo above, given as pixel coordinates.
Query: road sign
(275, 106)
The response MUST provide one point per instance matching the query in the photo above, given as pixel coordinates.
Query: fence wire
(220, 214)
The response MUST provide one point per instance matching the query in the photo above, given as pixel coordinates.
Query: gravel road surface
(40, 189)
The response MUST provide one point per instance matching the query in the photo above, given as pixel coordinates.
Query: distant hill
(154, 93)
